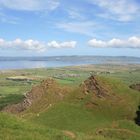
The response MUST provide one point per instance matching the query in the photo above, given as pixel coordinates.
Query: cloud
(34, 45)
(132, 42)
(122, 10)
(83, 27)
(30, 5)
(75, 13)
(23, 45)
(54, 44)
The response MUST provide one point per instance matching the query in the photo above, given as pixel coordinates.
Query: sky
(69, 27)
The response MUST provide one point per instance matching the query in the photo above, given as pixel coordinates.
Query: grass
(127, 77)
(72, 118)
(17, 129)
(10, 99)
(13, 128)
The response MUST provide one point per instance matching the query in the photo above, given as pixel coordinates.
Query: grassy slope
(13, 128)
(73, 115)
(110, 120)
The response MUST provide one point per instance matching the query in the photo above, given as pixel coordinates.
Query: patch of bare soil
(69, 134)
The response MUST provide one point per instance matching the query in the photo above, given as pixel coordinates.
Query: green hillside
(64, 111)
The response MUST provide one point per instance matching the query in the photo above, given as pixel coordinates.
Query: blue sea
(60, 61)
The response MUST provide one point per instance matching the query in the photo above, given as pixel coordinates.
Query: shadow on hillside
(137, 119)
(10, 99)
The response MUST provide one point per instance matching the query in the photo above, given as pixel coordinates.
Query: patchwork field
(89, 102)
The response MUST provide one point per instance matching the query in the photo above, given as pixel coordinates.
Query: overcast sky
(69, 27)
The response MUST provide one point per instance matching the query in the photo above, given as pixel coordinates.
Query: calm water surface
(60, 62)
(36, 64)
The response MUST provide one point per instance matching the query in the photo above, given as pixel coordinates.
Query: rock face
(92, 85)
(135, 86)
(32, 96)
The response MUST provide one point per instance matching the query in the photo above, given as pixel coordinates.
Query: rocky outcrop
(39, 92)
(32, 96)
(92, 85)
(135, 86)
